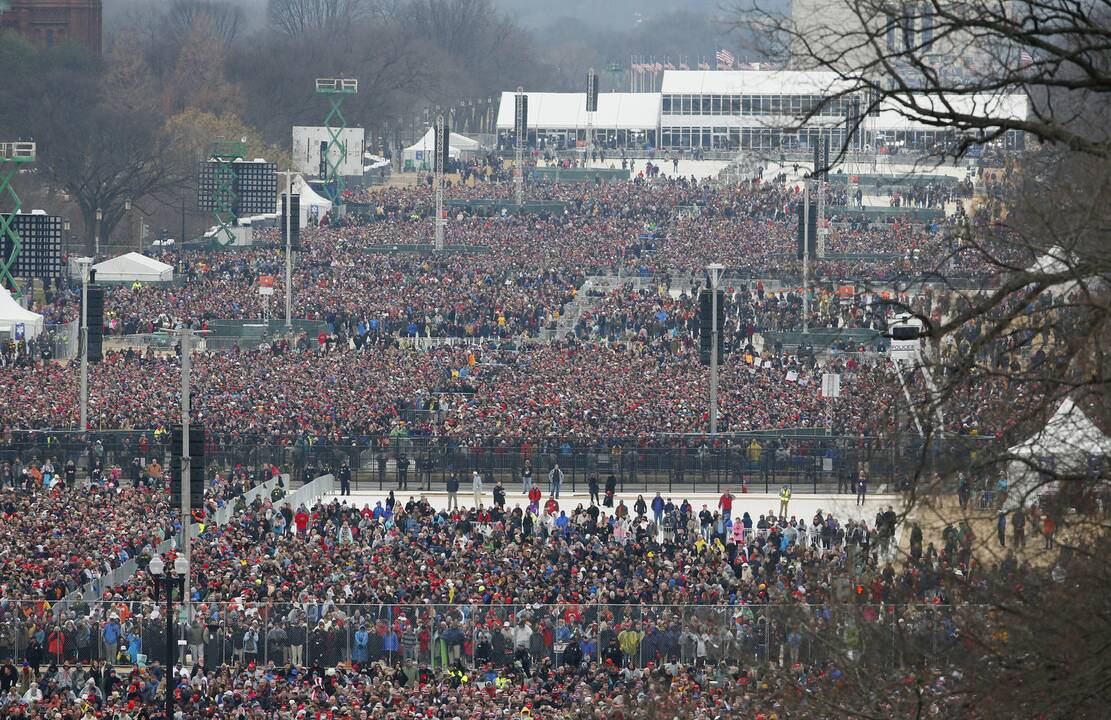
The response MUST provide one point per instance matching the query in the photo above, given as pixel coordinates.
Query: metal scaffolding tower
(336, 89)
(13, 156)
(224, 153)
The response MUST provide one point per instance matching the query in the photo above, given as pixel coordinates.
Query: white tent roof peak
(1066, 444)
(1068, 431)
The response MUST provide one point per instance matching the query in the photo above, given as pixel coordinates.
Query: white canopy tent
(309, 199)
(12, 314)
(133, 267)
(1066, 444)
(422, 150)
(1058, 260)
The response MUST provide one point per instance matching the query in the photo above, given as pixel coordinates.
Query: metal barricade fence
(133, 632)
(808, 460)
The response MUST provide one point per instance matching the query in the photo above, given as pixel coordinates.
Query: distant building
(727, 111)
(52, 22)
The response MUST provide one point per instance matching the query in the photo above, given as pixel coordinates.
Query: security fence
(809, 460)
(134, 633)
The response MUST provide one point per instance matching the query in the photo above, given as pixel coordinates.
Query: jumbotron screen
(41, 239)
(255, 187)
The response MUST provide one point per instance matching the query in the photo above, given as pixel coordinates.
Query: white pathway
(843, 507)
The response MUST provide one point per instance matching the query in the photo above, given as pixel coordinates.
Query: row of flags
(723, 60)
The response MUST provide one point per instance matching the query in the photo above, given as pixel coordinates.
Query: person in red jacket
(301, 520)
(534, 496)
(725, 504)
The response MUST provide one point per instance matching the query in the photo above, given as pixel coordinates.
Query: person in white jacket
(33, 694)
(476, 486)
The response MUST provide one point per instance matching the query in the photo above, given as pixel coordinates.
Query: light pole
(806, 240)
(439, 153)
(186, 460)
(130, 220)
(96, 246)
(175, 577)
(288, 220)
(84, 263)
(714, 271)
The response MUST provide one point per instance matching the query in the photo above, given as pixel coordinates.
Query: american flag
(657, 68)
(1025, 60)
(668, 66)
(725, 59)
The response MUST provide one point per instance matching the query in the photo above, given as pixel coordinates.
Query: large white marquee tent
(132, 267)
(567, 111)
(12, 314)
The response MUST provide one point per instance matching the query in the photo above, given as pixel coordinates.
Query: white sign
(306, 150)
(831, 385)
(905, 349)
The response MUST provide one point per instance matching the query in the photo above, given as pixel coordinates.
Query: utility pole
(806, 240)
(84, 263)
(714, 271)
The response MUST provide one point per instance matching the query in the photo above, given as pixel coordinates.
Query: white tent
(1058, 260)
(567, 111)
(422, 150)
(1066, 444)
(12, 314)
(309, 199)
(131, 267)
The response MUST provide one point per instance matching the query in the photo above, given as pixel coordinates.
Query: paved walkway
(843, 507)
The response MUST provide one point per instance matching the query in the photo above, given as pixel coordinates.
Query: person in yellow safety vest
(784, 498)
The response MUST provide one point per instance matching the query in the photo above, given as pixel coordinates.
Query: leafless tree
(950, 64)
(224, 19)
(297, 18)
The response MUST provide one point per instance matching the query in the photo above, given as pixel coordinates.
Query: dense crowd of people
(521, 608)
(571, 390)
(517, 271)
(516, 600)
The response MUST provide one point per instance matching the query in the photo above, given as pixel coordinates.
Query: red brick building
(50, 22)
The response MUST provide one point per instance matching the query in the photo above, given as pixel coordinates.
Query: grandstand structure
(768, 111)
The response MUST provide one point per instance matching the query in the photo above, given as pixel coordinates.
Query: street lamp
(130, 221)
(96, 247)
(169, 580)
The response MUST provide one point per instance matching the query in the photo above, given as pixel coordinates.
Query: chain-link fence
(130, 633)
